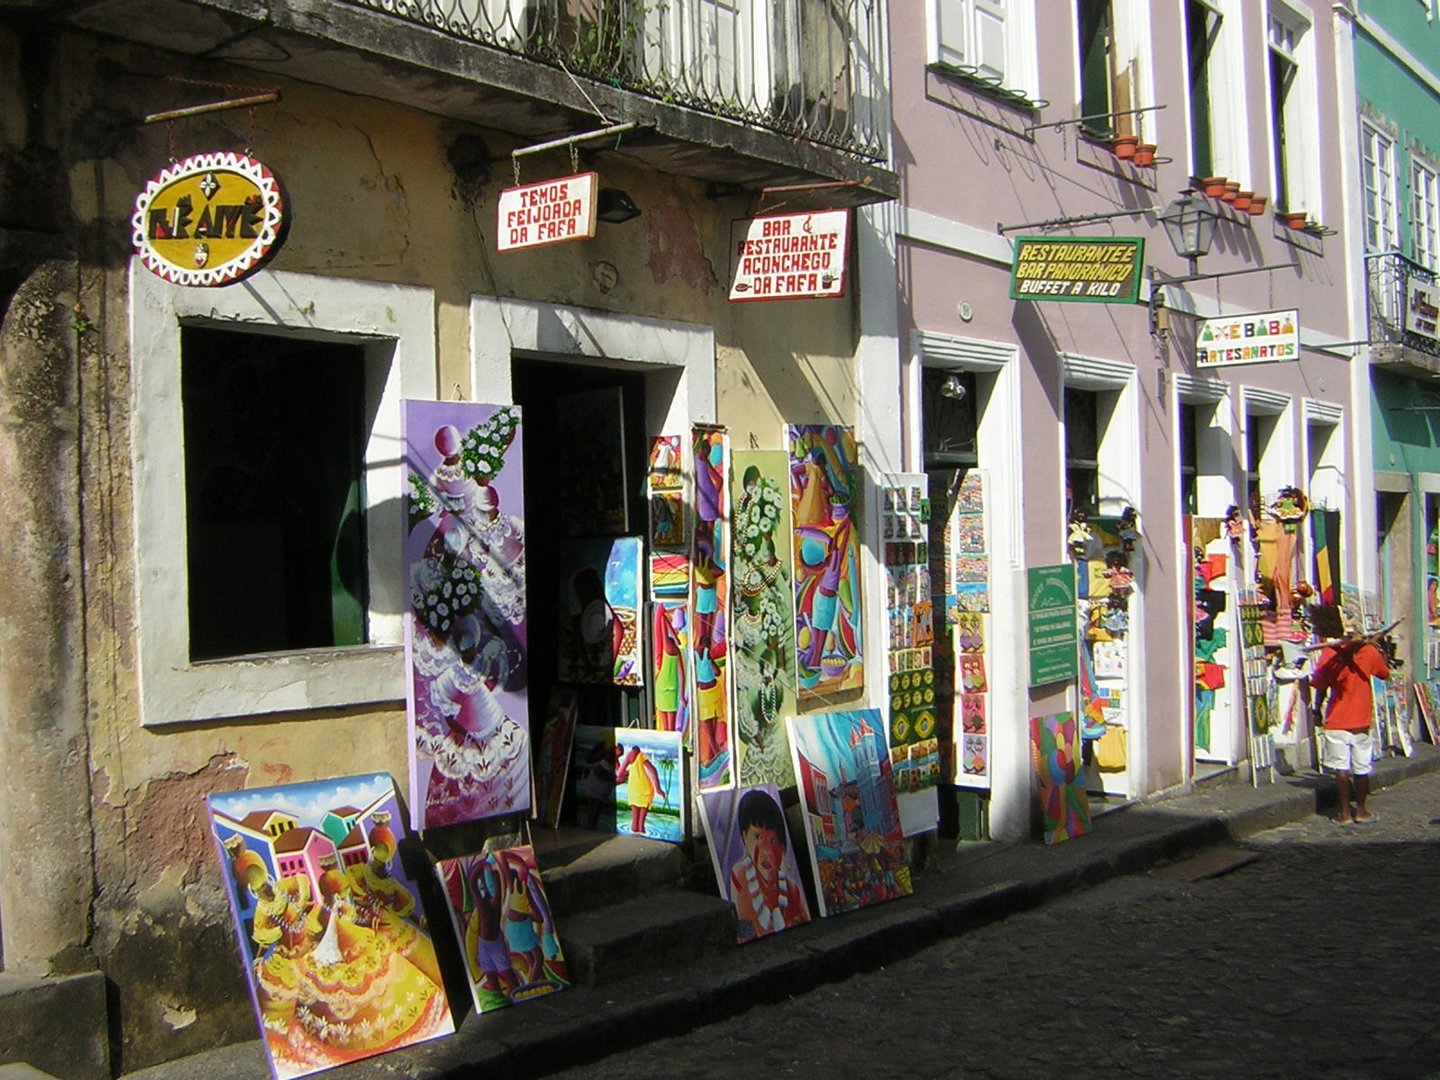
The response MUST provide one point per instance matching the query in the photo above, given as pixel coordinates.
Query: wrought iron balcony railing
(1402, 303)
(810, 69)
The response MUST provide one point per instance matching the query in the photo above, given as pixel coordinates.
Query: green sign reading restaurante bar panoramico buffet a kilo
(1104, 270)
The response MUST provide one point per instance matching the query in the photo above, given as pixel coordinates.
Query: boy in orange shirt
(1343, 672)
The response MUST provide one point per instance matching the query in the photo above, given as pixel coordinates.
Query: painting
(552, 765)
(754, 859)
(591, 501)
(465, 618)
(670, 656)
(824, 481)
(630, 781)
(502, 919)
(1055, 759)
(1429, 705)
(670, 575)
(332, 931)
(665, 486)
(599, 640)
(852, 822)
(764, 607)
(710, 608)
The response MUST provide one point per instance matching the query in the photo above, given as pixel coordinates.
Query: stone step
(22, 1071)
(54, 1025)
(584, 870)
(644, 934)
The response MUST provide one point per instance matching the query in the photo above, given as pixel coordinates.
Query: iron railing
(1401, 299)
(810, 69)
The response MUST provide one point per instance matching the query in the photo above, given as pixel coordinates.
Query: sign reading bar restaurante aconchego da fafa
(1102, 270)
(790, 256)
(549, 212)
(209, 220)
(1248, 339)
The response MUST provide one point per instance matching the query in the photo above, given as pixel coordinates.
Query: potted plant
(1214, 186)
(1295, 218)
(1242, 200)
(1257, 204)
(1123, 146)
(1145, 155)
(1232, 189)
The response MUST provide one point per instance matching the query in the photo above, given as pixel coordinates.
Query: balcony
(749, 92)
(1402, 314)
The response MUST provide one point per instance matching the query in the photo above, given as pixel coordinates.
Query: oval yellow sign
(212, 219)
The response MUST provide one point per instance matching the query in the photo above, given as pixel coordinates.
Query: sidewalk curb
(970, 890)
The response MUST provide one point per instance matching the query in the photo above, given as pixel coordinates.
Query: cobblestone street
(1317, 959)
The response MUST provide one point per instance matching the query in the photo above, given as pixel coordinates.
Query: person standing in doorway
(1341, 680)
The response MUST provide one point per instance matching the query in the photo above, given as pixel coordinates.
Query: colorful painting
(593, 500)
(670, 576)
(764, 607)
(665, 486)
(1429, 703)
(852, 822)
(1055, 758)
(465, 625)
(599, 632)
(670, 642)
(503, 922)
(754, 860)
(824, 485)
(630, 781)
(710, 608)
(332, 931)
(553, 763)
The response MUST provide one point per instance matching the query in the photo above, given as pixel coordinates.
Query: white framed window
(1115, 88)
(1293, 98)
(991, 40)
(1377, 186)
(385, 331)
(1425, 213)
(1217, 106)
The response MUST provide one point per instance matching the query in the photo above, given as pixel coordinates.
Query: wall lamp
(615, 206)
(1189, 225)
(952, 387)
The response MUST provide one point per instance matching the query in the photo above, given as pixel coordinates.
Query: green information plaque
(1054, 639)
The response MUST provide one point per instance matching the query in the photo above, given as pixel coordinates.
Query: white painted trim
(1199, 390)
(398, 322)
(1416, 69)
(1095, 373)
(1259, 402)
(956, 236)
(1321, 412)
(962, 354)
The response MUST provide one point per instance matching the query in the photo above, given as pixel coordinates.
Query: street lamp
(1190, 226)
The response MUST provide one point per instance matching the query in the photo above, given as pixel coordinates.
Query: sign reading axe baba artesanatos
(790, 256)
(1248, 339)
(549, 212)
(212, 219)
(1104, 270)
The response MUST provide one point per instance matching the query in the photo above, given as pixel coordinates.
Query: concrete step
(647, 933)
(584, 870)
(54, 1025)
(22, 1071)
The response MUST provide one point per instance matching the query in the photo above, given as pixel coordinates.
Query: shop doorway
(585, 446)
(1395, 559)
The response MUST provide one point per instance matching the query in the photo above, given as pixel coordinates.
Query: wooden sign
(550, 212)
(212, 219)
(790, 256)
(1101, 270)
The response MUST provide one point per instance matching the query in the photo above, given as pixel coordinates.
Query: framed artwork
(713, 728)
(754, 860)
(630, 781)
(465, 617)
(332, 931)
(1055, 758)
(502, 920)
(599, 628)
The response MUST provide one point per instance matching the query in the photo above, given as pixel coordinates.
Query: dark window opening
(1189, 460)
(1096, 68)
(275, 431)
(1254, 444)
(1202, 26)
(1282, 78)
(948, 412)
(1082, 451)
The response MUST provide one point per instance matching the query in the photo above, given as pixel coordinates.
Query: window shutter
(990, 38)
(952, 26)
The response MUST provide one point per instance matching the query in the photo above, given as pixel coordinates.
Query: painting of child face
(766, 851)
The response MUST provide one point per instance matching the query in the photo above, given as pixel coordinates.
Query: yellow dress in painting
(282, 939)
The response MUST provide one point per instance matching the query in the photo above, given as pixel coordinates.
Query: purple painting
(465, 616)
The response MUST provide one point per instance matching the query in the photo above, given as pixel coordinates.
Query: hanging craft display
(465, 626)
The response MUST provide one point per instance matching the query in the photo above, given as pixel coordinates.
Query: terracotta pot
(1123, 146)
(1214, 186)
(1232, 189)
(1257, 204)
(1242, 200)
(1295, 218)
(1145, 155)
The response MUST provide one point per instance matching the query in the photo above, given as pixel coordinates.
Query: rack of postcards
(1261, 692)
(961, 572)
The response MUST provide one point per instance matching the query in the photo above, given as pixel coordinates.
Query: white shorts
(1347, 751)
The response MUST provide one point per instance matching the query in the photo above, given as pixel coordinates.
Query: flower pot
(1257, 204)
(1123, 146)
(1144, 155)
(1214, 186)
(1295, 218)
(1232, 189)
(1242, 200)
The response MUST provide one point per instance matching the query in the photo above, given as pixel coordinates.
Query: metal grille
(813, 69)
(1389, 277)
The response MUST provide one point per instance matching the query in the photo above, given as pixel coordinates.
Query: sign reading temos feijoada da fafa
(549, 212)
(1248, 339)
(790, 256)
(1103, 270)
(209, 220)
